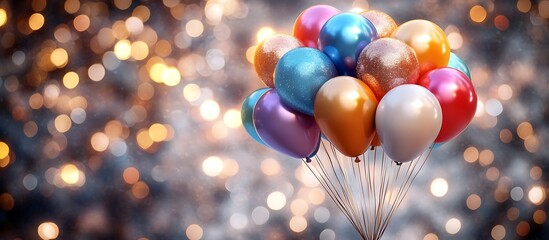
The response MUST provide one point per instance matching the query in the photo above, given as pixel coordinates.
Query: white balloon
(408, 120)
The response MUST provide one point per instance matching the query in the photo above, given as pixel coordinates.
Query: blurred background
(121, 119)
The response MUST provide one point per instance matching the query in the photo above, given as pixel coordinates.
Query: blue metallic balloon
(299, 75)
(343, 37)
(459, 64)
(247, 113)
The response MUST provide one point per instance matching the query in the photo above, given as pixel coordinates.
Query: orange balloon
(268, 53)
(428, 41)
(385, 25)
(345, 110)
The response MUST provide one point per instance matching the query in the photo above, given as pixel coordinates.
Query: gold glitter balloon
(386, 63)
(269, 52)
(385, 25)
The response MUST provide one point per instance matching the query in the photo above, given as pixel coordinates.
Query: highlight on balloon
(380, 94)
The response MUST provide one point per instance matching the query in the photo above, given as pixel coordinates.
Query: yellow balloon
(345, 110)
(428, 41)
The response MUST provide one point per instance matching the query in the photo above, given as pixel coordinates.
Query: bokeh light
(4, 150)
(264, 33)
(123, 49)
(498, 232)
(194, 232)
(36, 21)
(209, 110)
(194, 28)
(439, 187)
(212, 166)
(3, 17)
(48, 230)
(59, 57)
(473, 202)
(536, 195)
(477, 14)
(70, 174)
(276, 200)
(453, 226)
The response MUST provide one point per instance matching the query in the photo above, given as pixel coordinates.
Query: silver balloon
(408, 120)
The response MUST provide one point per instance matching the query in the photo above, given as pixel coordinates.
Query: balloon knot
(398, 163)
(308, 160)
(357, 160)
(372, 147)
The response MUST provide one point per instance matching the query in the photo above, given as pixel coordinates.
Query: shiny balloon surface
(345, 112)
(385, 24)
(299, 75)
(247, 113)
(428, 41)
(456, 96)
(459, 64)
(408, 119)
(386, 63)
(269, 52)
(307, 26)
(343, 37)
(285, 130)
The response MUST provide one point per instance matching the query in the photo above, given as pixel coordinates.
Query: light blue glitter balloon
(299, 75)
(343, 37)
(459, 64)
(247, 113)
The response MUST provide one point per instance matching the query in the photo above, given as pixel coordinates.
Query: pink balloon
(456, 96)
(309, 23)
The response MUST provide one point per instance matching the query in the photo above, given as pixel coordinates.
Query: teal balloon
(299, 75)
(437, 145)
(459, 64)
(247, 113)
(343, 37)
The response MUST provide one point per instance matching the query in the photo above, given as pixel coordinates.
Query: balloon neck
(357, 160)
(372, 147)
(308, 160)
(398, 163)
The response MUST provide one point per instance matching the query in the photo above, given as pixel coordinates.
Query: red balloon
(456, 96)
(309, 23)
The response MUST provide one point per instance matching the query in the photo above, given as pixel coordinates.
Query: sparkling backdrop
(120, 119)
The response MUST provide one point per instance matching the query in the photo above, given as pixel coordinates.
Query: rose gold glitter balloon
(269, 52)
(385, 25)
(386, 63)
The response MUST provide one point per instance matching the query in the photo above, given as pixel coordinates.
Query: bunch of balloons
(359, 80)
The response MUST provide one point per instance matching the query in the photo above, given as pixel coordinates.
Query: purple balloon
(290, 132)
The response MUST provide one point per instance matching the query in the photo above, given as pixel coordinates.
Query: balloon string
(344, 181)
(330, 189)
(357, 171)
(334, 193)
(367, 189)
(362, 186)
(343, 199)
(372, 196)
(401, 188)
(414, 172)
(395, 171)
(382, 196)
